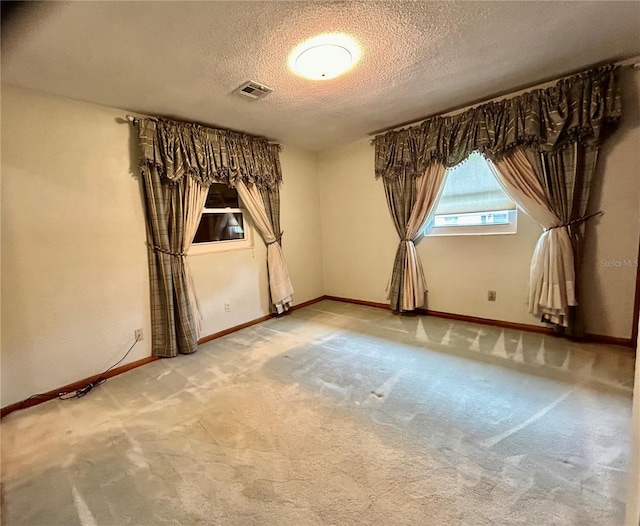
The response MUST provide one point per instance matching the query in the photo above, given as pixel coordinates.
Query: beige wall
(612, 240)
(359, 240)
(74, 282)
(359, 243)
(74, 264)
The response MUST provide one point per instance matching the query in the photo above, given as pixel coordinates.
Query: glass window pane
(221, 196)
(480, 218)
(220, 226)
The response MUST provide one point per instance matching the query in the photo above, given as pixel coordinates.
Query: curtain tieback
(575, 221)
(277, 239)
(174, 254)
(406, 239)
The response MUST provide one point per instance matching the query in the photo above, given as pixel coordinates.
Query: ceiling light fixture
(325, 57)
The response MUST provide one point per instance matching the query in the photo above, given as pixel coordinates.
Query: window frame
(430, 229)
(511, 227)
(226, 245)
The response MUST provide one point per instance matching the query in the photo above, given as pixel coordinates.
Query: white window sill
(467, 234)
(199, 249)
(475, 230)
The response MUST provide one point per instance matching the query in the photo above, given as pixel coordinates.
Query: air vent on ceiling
(253, 90)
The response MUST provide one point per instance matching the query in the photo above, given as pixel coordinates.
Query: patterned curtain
(271, 200)
(576, 109)
(411, 200)
(179, 161)
(208, 155)
(552, 281)
(561, 129)
(264, 208)
(565, 176)
(173, 326)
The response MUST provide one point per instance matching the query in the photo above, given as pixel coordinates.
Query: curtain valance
(208, 155)
(573, 110)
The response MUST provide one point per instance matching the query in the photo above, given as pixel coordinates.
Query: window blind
(471, 187)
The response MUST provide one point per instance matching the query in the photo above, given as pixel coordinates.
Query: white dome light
(323, 62)
(324, 57)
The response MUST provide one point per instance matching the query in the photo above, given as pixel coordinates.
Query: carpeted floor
(336, 415)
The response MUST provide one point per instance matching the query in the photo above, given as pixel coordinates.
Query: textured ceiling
(184, 59)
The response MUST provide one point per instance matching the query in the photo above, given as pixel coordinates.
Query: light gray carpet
(336, 415)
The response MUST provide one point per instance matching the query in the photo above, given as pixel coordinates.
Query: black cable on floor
(81, 391)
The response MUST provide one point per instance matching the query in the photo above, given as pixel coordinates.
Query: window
(472, 203)
(223, 225)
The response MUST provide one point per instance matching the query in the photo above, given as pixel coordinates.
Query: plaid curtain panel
(566, 177)
(411, 200)
(401, 196)
(172, 324)
(576, 109)
(173, 156)
(271, 199)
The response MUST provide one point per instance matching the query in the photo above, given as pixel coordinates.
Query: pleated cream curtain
(552, 274)
(411, 200)
(279, 282)
(194, 199)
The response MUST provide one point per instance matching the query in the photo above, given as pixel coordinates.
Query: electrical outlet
(227, 306)
(137, 334)
(491, 295)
